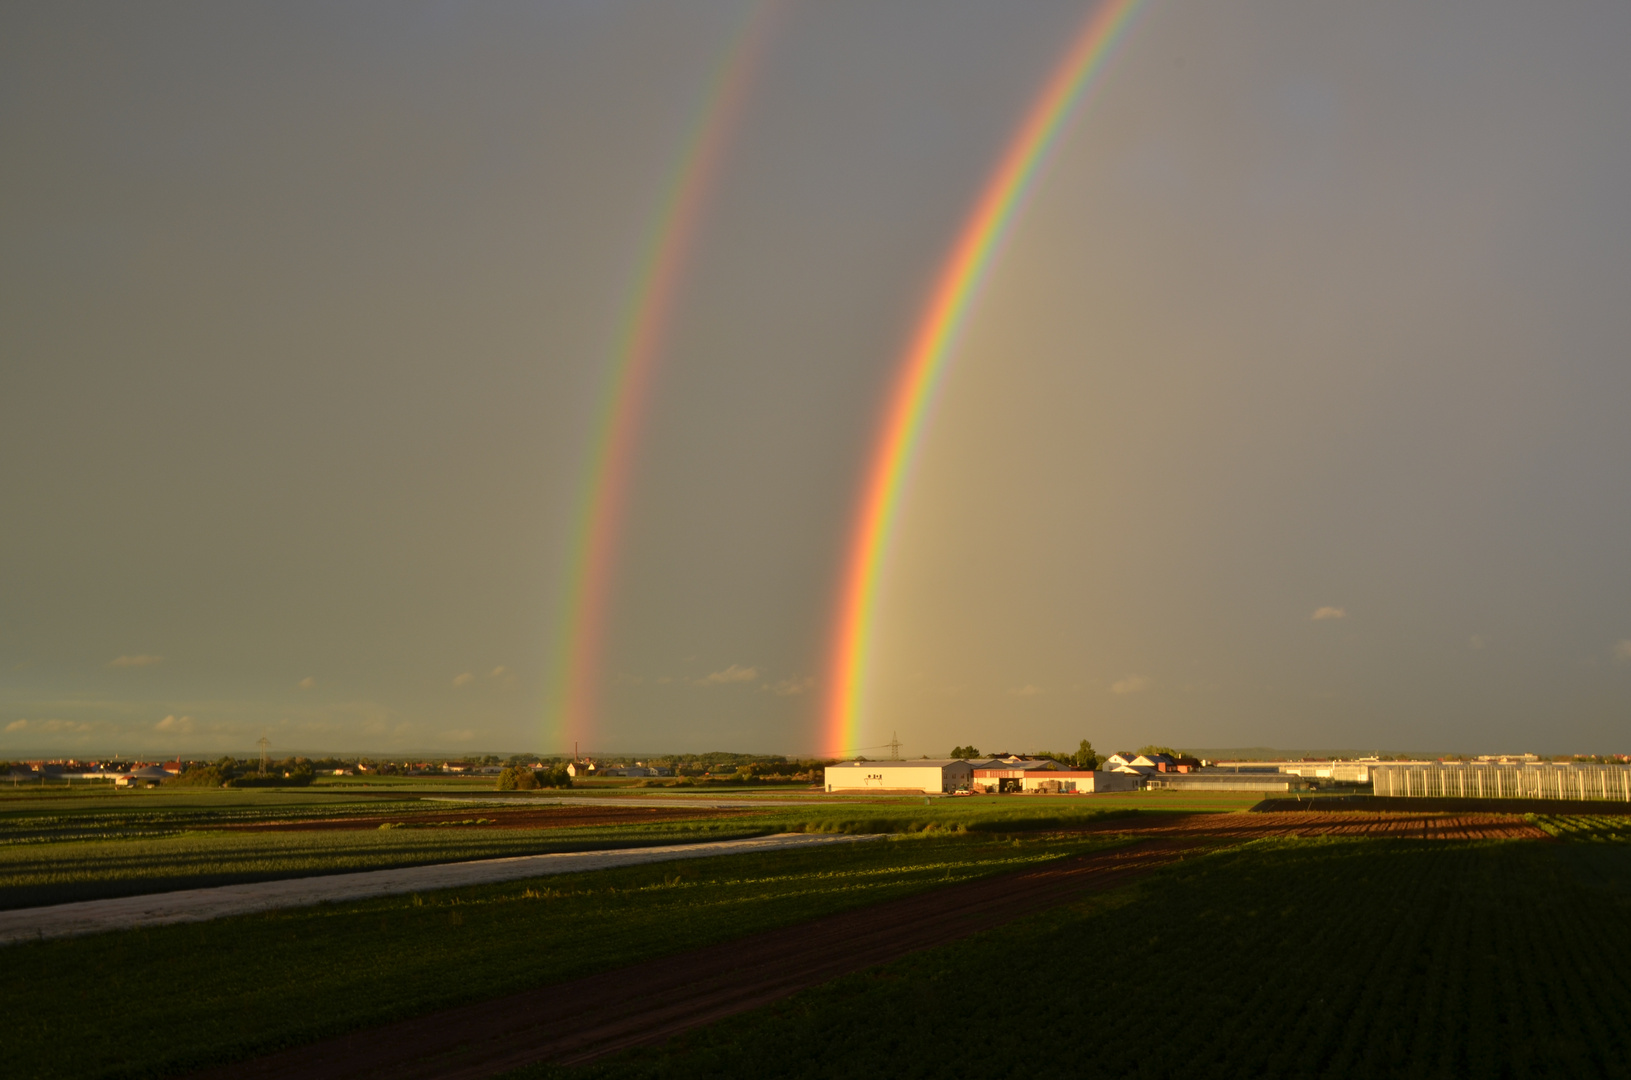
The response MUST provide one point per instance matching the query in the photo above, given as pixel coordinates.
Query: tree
(1152, 750)
(1085, 757)
(555, 776)
(965, 752)
(517, 778)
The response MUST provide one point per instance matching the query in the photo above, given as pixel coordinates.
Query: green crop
(1341, 958)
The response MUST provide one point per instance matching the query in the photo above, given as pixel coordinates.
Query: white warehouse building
(928, 775)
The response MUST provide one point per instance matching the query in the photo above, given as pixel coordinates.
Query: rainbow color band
(575, 674)
(924, 363)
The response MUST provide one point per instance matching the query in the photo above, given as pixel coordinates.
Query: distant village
(231, 771)
(964, 771)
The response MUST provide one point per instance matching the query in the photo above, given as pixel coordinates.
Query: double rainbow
(581, 628)
(924, 363)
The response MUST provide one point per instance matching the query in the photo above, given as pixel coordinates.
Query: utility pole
(894, 746)
(263, 744)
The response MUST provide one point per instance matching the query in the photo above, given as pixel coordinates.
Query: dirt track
(1427, 826)
(588, 1018)
(199, 905)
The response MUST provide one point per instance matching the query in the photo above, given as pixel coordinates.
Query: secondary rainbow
(924, 362)
(603, 501)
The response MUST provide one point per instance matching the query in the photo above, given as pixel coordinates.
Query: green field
(1343, 958)
(49, 873)
(58, 849)
(1356, 957)
(235, 987)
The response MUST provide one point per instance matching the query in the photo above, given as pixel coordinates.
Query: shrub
(200, 776)
(517, 778)
(555, 776)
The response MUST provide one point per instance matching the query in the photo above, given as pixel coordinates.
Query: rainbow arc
(923, 365)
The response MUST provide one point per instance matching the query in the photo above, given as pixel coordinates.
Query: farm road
(198, 905)
(579, 1021)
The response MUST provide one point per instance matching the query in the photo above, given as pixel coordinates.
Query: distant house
(1004, 774)
(1143, 764)
(1076, 782)
(581, 768)
(145, 776)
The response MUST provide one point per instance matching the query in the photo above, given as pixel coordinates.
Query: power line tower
(263, 744)
(894, 746)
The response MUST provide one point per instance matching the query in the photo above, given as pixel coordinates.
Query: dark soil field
(487, 817)
(1426, 826)
(1395, 804)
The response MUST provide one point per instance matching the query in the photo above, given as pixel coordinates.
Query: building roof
(908, 763)
(1019, 764)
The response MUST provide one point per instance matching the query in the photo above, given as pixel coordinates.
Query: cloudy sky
(1292, 411)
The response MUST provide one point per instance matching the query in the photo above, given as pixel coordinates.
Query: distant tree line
(525, 778)
(242, 773)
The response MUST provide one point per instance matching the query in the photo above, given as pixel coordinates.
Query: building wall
(897, 776)
(1490, 781)
(1192, 782)
(1079, 782)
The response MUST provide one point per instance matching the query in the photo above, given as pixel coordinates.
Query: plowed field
(486, 817)
(1426, 826)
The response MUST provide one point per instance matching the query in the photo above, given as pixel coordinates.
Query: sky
(1289, 411)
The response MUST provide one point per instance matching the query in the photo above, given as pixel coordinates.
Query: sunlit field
(57, 848)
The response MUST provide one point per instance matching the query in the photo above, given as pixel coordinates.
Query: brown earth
(579, 1021)
(1453, 806)
(1426, 826)
(487, 817)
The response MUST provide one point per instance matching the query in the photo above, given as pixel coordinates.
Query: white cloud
(459, 735)
(179, 725)
(308, 683)
(1025, 691)
(460, 680)
(1329, 613)
(1622, 650)
(791, 687)
(499, 672)
(732, 674)
(135, 661)
(1132, 684)
(1476, 642)
(48, 725)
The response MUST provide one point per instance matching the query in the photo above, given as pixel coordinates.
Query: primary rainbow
(600, 509)
(924, 363)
